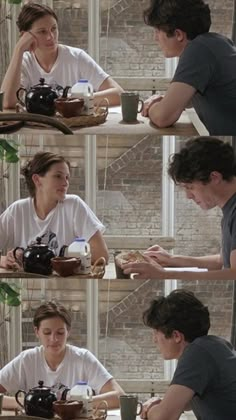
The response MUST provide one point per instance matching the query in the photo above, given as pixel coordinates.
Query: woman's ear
(36, 180)
(36, 332)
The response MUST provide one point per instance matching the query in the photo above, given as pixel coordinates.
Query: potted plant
(9, 294)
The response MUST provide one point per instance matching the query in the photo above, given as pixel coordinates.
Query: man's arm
(164, 258)
(167, 111)
(152, 270)
(173, 404)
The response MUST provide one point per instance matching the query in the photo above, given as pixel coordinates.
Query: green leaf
(9, 289)
(14, 1)
(11, 157)
(13, 301)
(7, 146)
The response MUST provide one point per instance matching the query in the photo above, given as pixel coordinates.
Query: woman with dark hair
(49, 212)
(55, 362)
(39, 55)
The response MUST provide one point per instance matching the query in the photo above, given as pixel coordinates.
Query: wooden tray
(98, 117)
(97, 272)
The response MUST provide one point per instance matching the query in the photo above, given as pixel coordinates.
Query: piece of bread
(131, 256)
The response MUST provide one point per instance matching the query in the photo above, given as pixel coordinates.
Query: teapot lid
(42, 85)
(41, 387)
(38, 243)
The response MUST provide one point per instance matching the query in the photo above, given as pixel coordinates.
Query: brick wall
(135, 179)
(130, 49)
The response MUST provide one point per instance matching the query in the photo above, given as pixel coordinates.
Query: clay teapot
(39, 99)
(36, 258)
(38, 401)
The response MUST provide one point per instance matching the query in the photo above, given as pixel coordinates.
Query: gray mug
(130, 106)
(1, 100)
(130, 407)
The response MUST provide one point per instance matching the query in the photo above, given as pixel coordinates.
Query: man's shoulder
(208, 344)
(211, 42)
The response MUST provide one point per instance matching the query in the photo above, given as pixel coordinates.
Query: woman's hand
(148, 404)
(159, 255)
(10, 261)
(149, 102)
(27, 42)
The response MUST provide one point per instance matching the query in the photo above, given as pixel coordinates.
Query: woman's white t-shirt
(71, 65)
(29, 367)
(20, 224)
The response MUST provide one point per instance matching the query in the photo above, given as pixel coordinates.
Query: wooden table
(4, 273)
(115, 126)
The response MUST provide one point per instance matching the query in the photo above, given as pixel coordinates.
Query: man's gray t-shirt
(208, 63)
(208, 367)
(228, 228)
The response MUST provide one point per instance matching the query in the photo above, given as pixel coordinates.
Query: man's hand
(149, 102)
(160, 255)
(145, 270)
(148, 404)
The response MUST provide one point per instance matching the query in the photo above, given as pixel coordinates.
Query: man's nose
(189, 195)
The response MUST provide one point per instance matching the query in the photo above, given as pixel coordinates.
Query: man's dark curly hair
(199, 158)
(180, 311)
(191, 16)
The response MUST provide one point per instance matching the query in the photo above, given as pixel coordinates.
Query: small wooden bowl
(68, 410)
(69, 107)
(65, 266)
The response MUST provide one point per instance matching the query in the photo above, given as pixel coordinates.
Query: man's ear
(215, 177)
(180, 35)
(177, 336)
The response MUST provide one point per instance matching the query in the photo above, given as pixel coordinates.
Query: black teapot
(36, 258)
(38, 401)
(39, 99)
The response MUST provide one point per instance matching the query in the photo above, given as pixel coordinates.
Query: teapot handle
(18, 95)
(16, 397)
(15, 256)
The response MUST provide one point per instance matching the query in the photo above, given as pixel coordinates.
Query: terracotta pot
(68, 108)
(65, 266)
(68, 410)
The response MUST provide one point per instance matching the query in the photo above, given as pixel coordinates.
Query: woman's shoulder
(72, 199)
(29, 354)
(75, 352)
(23, 203)
(68, 51)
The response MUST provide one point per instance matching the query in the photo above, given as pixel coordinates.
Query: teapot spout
(63, 251)
(64, 393)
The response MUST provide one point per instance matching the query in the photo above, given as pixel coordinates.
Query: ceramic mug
(130, 407)
(1, 100)
(130, 106)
